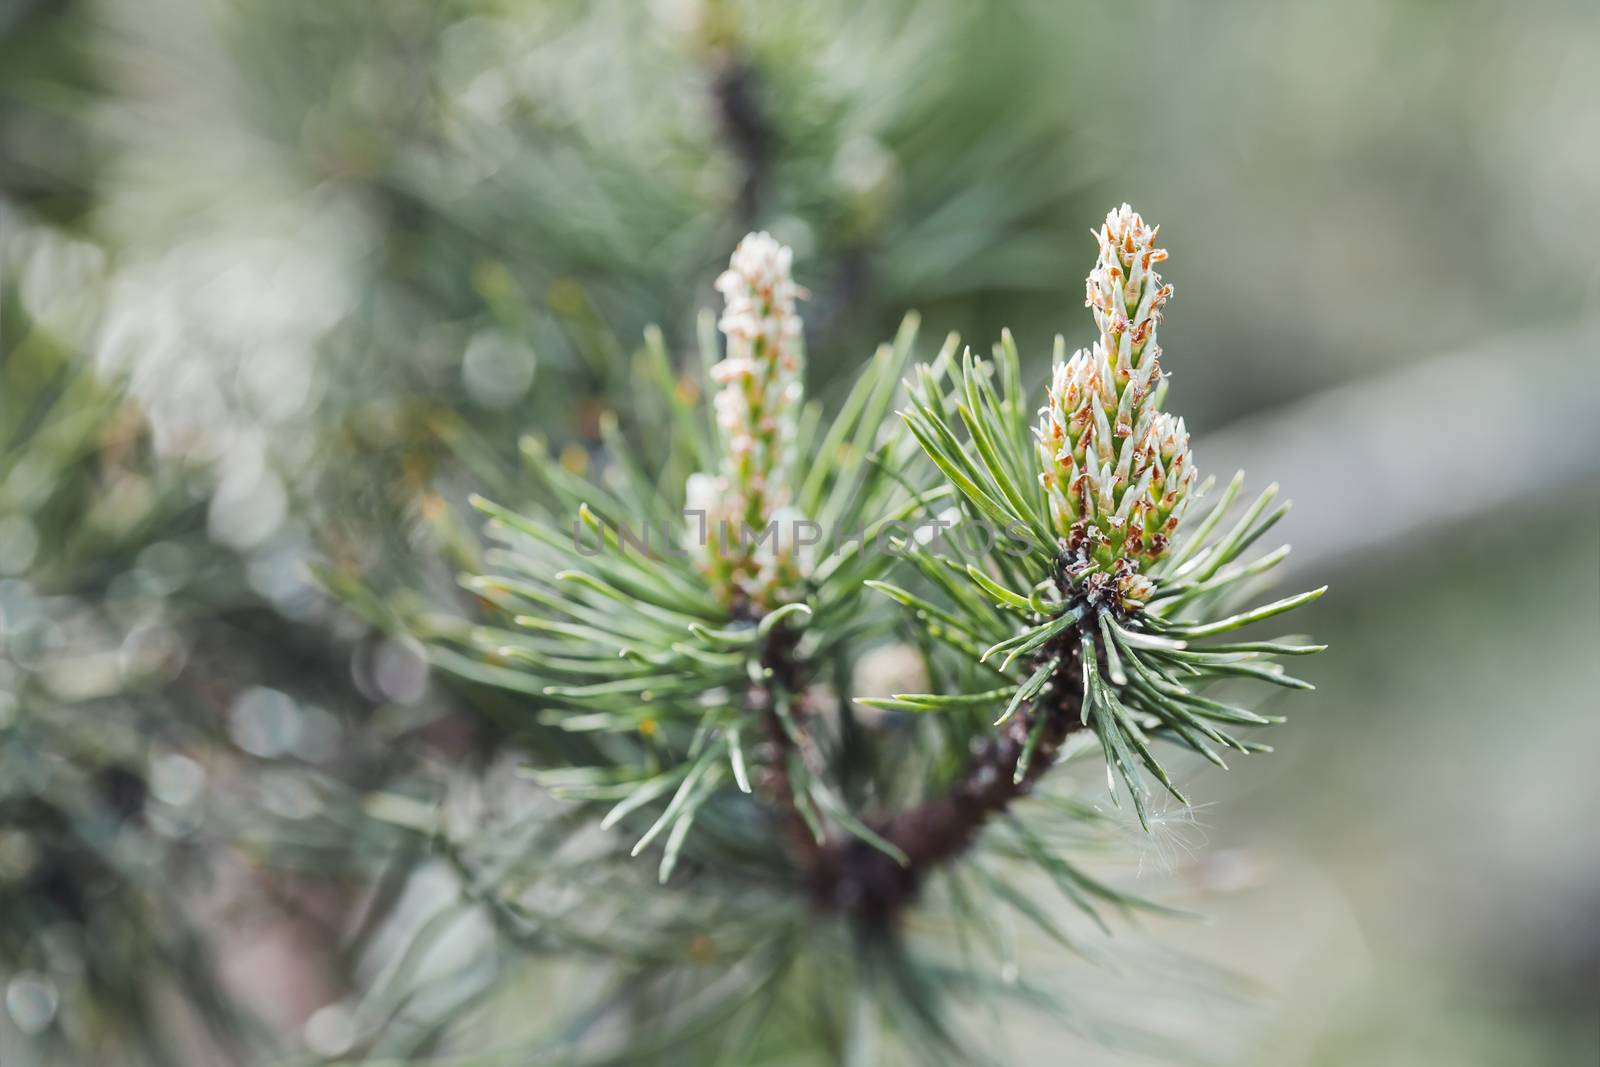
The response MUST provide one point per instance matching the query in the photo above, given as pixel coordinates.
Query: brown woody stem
(851, 877)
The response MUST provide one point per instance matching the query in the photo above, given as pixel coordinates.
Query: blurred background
(282, 280)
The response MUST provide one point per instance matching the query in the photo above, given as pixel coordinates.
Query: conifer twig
(864, 882)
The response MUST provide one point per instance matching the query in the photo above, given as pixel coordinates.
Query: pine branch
(747, 130)
(695, 662)
(785, 684)
(865, 883)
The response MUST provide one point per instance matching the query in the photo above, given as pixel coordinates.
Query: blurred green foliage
(104, 562)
